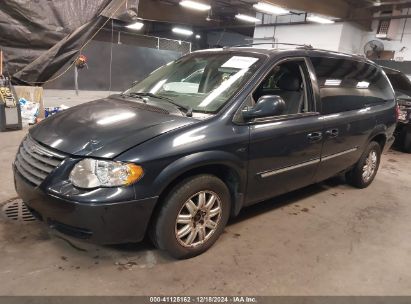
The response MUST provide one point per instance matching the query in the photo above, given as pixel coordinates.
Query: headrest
(289, 82)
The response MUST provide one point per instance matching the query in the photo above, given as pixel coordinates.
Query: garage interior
(325, 239)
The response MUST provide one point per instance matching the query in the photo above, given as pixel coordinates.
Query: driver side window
(288, 80)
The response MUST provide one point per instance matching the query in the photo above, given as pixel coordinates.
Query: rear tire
(407, 142)
(193, 216)
(364, 171)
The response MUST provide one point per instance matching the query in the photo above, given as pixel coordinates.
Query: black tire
(164, 230)
(407, 142)
(355, 175)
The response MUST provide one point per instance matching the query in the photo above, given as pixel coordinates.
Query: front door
(285, 150)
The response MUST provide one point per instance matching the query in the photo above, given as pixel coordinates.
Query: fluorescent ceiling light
(333, 82)
(247, 18)
(198, 36)
(136, 26)
(363, 85)
(195, 5)
(182, 31)
(321, 20)
(270, 9)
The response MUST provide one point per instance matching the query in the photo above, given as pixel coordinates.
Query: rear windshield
(400, 82)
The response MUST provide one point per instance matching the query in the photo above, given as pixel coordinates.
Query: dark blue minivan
(202, 137)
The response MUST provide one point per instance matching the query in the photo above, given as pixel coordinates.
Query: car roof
(296, 51)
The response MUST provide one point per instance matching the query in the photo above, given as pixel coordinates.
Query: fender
(380, 129)
(204, 158)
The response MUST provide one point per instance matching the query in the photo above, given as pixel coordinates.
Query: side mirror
(268, 105)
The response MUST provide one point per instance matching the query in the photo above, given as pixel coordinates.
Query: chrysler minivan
(201, 138)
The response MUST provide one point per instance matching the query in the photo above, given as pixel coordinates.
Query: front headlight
(93, 173)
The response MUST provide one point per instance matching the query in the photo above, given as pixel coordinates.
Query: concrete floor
(326, 239)
(69, 98)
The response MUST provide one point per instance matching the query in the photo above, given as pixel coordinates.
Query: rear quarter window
(347, 85)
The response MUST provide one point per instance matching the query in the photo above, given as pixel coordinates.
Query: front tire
(193, 216)
(364, 171)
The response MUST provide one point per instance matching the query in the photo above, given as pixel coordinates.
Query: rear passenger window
(347, 85)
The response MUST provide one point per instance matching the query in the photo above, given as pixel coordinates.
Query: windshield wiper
(188, 110)
(132, 94)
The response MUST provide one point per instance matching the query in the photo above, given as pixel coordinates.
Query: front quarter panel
(166, 157)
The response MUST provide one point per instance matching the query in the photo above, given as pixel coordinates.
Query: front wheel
(364, 171)
(192, 217)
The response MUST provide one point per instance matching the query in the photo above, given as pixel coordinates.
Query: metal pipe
(405, 24)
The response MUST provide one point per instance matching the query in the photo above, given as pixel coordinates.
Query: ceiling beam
(335, 8)
(362, 17)
(155, 10)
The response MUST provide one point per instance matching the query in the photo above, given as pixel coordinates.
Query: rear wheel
(364, 171)
(192, 217)
(407, 141)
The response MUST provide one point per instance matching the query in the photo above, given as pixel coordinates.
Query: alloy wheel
(369, 166)
(198, 219)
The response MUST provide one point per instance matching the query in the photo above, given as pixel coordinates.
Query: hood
(105, 127)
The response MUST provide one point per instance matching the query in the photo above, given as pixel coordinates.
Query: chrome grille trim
(27, 175)
(34, 162)
(32, 170)
(40, 153)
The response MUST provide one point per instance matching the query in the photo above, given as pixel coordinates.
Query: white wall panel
(319, 36)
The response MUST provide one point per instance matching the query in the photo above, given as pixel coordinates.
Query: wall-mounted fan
(373, 49)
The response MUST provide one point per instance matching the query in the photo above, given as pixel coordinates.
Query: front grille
(34, 162)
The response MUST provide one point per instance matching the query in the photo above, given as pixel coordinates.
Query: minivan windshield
(200, 82)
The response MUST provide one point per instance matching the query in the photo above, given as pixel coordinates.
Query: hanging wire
(405, 25)
(111, 53)
(81, 48)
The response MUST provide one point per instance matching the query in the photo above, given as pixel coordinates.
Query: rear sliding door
(349, 90)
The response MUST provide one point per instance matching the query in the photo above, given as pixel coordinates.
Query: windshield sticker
(239, 62)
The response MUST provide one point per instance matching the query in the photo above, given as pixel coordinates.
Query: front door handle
(332, 133)
(315, 136)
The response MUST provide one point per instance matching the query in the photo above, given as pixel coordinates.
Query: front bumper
(102, 223)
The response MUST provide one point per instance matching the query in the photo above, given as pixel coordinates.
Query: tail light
(397, 112)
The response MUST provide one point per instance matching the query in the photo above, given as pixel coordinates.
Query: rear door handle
(332, 133)
(315, 136)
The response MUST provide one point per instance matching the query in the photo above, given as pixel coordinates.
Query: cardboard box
(31, 93)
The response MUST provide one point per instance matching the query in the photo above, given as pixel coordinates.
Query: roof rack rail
(304, 46)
